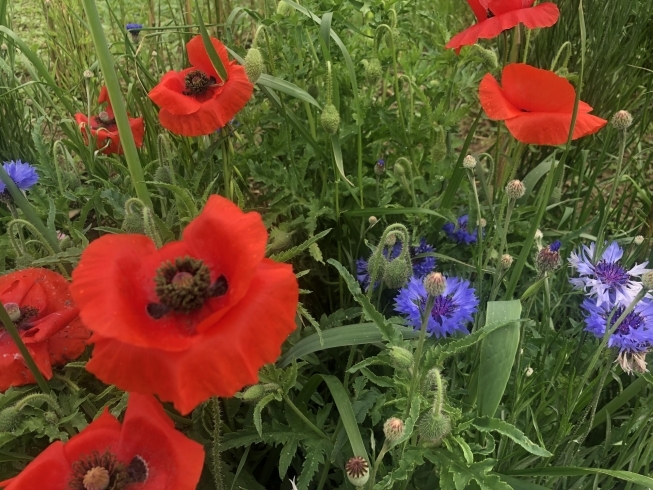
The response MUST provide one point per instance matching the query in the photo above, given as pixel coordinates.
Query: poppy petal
(101, 435)
(542, 15)
(480, 10)
(168, 95)
(494, 101)
(536, 90)
(138, 130)
(14, 371)
(551, 128)
(149, 434)
(199, 58)
(50, 466)
(68, 344)
(246, 338)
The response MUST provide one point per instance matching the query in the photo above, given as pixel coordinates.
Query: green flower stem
(27, 357)
(217, 464)
(120, 110)
(479, 258)
(226, 170)
(310, 424)
(623, 136)
(377, 462)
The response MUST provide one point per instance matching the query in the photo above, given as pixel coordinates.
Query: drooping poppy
(104, 129)
(39, 303)
(145, 452)
(196, 101)
(536, 105)
(496, 16)
(194, 319)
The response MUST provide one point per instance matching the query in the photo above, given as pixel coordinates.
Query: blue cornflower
(461, 235)
(634, 333)
(606, 279)
(451, 312)
(23, 175)
(134, 28)
(421, 266)
(379, 167)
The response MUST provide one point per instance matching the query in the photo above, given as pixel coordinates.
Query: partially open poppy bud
(373, 71)
(393, 429)
(434, 427)
(622, 120)
(647, 280)
(253, 64)
(402, 358)
(435, 284)
(639, 239)
(133, 223)
(397, 273)
(469, 162)
(330, 119)
(358, 471)
(515, 189)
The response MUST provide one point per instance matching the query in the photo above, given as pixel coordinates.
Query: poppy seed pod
(253, 64)
(515, 189)
(393, 429)
(622, 120)
(434, 427)
(373, 71)
(358, 471)
(330, 119)
(435, 284)
(397, 273)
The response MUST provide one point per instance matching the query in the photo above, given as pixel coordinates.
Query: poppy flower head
(162, 316)
(536, 105)
(495, 16)
(196, 101)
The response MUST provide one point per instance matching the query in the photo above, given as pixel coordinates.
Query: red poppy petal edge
(494, 101)
(551, 128)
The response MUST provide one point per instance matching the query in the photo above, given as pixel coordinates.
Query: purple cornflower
(451, 312)
(605, 279)
(460, 234)
(634, 333)
(23, 175)
(134, 29)
(548, 259)
(421, 266)
(379, 167)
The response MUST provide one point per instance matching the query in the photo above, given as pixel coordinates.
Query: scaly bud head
(506, 261)
(372, 220)
(639, 239)
(379, 167)
(622, 120)
(435, 284)
(393, 429)
(515, 189)
(469, 162)
(330, 119)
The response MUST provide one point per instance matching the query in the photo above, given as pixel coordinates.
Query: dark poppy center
(611, 274)
(197, 82)
(489, 14)
(184, 286)
(105, 472)
(104, 120)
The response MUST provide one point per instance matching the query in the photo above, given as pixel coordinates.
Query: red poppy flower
(144, 453)
(496, 16)
(39, 303)
(195, 101)
(103, 127)
(193, 319)
(536, 105)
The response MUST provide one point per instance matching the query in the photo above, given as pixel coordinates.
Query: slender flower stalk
(120, 110)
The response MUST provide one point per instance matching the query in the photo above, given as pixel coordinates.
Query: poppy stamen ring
(197, 82)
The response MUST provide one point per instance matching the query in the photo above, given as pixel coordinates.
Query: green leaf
(315, 456)
(628, 476)
(183, 194)
(411, 459)
(337, 155)
(487, 424)
(497, 355)
(259, 408)
(534, 176)
(518, 484)
(293, 252)
(241, 438)
(285, 458)
(456, 474)
(395, 210)
(208, 45)
(286, 87)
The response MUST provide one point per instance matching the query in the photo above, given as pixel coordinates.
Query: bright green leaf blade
(210, 49)
(487, 424)
(628, 476)
(286, 87)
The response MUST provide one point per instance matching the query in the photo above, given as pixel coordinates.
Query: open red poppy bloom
(536, 105)
(104, 129)
(194, 319)
(144, 453)
(39, 303)
(496, 16)
(195, 101)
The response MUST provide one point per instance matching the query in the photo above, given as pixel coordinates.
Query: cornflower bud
(88, 74)
(372, 220)
(622, 120)
(469, 162)
(253, 64)
(515, 189)
(647, 280)
(528, 372)
(330, 119)
(548, 259)
(358, 471)
(506, 261)
(393, 429)
(435, 284)
(639, 239)
(379, 167)
(482, 222)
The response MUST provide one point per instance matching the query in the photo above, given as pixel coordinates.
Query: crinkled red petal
(174, 462)
(50, 466)
(551, 128)
(221, 361)
(199, 58)
(13, 370)
(68, 344)
(494, 101)
(168, 95)
(542, 15)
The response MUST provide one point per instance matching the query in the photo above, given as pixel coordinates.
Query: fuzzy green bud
(253, 393)
(133, 223)
(283, 8)
(51, 418)
(515, 189)
(162, 174)
(435, 284)
(358, 471)
(71, 179)
(254, 64)
(556, 195)
(279, 240)
(486, 56)
(330, 119)
(24, 261)
(402, 358)
(397, 273)
(399, 169)
(9, 419)
(393, 428)
(373, 71)
(622, 120)
(376, 265)
(434, 427)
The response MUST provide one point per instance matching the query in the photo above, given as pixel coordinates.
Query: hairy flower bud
(283, 8)
(402, 358)
(506, 261)
(487, 56)
(51, 418)
(358, 471)
(434, 427)
(133, 223)
(9, 419)
(379, 167)
(435, 284)
(548, 259)
(647, 280)
(162, 174)
(373, 71)
(397, 273)
(515, 189)
(639, 239)
(622, 120)
(253, 64)
(469, 162)
(330, 119)
(390, 240)
(393, 428)
(253, 393)
(399, 170)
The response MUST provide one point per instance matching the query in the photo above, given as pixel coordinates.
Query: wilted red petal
(14, 371)
(168, 95)
(551, 128)
(138, 130)
(68, 344)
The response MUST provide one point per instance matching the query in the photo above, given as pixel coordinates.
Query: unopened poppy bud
(253, 64)
(51, 418)
(647, 280)
(253, 393)
(515, 189)
(162, 174)
(13, 310)
(528, 372)
(396, 273)
(279, 240)
(358, 471)
(373, 71)
(376, 265)
(556, 195)
(373, 220)
(88, 74)
(393, 429)
(487, 56)
(435, 284)
(24, 261)
(434, 427)
(622, 120)
(9, 419)
(402, 358)
(399, 170)
(379, 167)
(639, 239)
(330, 119)
(133, 223)
(469, 162)
(506, 261)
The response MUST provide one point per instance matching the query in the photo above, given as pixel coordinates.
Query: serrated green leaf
(285, 458)
(316, 253)
(411, 459)
(183, 194)
(314, 457)
(457, 473)
(259, 408)
(292, 252)
(487, 424)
